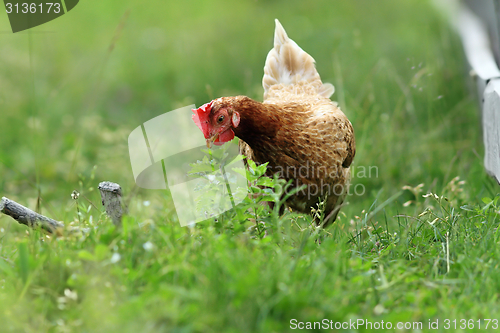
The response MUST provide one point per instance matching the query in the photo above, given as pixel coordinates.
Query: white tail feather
(288, 64)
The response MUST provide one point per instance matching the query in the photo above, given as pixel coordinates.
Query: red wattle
(224, 137)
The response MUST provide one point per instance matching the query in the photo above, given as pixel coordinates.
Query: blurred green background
(72, 90)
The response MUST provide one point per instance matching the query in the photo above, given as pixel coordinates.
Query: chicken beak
(210, 141)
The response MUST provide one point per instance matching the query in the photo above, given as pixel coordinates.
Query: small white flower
(115, 258)
(146, 203)
(75, 194)
(70, 294)
(148, 246)
(211, 177)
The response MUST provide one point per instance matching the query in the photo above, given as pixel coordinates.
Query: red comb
(200, 118)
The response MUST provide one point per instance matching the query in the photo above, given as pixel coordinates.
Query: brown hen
(303, 135)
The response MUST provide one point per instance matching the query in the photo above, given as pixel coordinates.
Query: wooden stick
(28, 217)
(111, 197)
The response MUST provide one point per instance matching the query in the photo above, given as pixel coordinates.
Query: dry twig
(28, 217)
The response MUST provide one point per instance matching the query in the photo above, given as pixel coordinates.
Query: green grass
(73, 89)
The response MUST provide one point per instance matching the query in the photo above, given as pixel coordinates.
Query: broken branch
(111, 196)
(28, 217)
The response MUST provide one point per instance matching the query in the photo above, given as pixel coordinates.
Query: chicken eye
(220, 119)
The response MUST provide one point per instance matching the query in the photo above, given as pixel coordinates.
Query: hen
(303, 135)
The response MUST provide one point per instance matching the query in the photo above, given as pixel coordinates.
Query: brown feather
(303, 135)
(301, 144)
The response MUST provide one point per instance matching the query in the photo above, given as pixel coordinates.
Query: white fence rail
(478, 25)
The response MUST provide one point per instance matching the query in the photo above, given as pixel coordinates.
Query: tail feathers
(288, 64)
